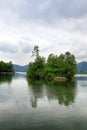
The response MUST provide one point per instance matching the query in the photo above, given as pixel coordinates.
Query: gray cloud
(46, 11)
(22, 47)
(55, 25)
(25, 46)
(8, 47)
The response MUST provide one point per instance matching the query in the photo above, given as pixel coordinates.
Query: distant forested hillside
(18, 68)
(82, 67)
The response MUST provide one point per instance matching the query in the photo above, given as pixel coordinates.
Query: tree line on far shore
(6, 67)
(63, 65)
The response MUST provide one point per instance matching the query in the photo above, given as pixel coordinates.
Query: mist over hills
(81, 67)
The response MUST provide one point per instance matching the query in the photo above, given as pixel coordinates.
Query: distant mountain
(82, 67)
(18, 68)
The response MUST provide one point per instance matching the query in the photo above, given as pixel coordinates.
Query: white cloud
(56, 26)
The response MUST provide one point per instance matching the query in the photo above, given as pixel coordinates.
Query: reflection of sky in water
(43, 105)
(81, 77)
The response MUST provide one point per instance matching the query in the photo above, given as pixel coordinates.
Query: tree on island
(36, 68)
(55, 66)
(35, 52)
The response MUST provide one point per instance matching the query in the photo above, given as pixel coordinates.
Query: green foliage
(6, 67)
(6, 78)
(63, 65)
(36, 69)
(35, 52)
(64, 92)
(70, 65)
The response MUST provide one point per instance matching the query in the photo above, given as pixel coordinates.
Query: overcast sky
(56, 26)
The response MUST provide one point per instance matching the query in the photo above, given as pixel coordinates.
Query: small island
(60, 68)
(6, 68)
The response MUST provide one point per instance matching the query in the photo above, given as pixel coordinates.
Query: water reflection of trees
(36, 89)
(6, 78)
(64, 92)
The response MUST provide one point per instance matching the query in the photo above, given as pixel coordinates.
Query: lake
(42, 105)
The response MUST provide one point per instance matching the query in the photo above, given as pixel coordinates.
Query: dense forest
(63, 65)
(6, 67)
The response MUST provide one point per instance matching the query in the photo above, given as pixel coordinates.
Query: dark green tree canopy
(63, 65)
(6, 67)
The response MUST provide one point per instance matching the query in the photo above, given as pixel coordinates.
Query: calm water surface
(42, 105)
